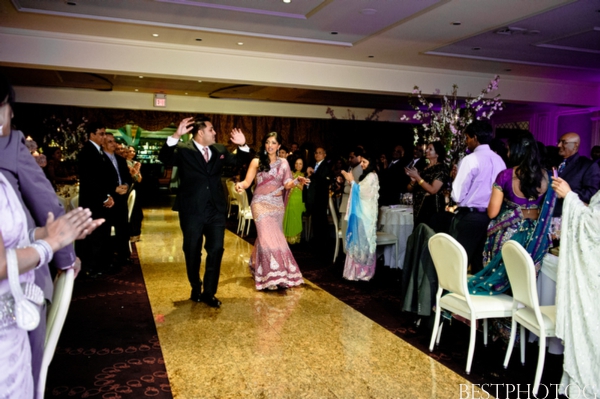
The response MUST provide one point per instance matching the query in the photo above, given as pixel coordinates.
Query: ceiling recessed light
(141, 77)
(199, 81)
(186, 94)
(476, 48)
(287, 1)
(155, 34)
(240, 43)
(137, 89)
(456, 23)
(198, 39)
(334, 33)
(368, 11)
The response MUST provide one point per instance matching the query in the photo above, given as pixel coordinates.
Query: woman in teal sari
(521, 209)
(292, 219)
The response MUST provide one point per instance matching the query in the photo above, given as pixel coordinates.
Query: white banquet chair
(232, 198)
(450, 261)
(526, 311)
(339, 235)
(57, 313)
(130, 204)
(244, 214)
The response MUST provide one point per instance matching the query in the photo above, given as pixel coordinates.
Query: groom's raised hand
(237, 137)
(185, 126)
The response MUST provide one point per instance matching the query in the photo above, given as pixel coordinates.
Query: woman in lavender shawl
(521, 207)
(20, 253)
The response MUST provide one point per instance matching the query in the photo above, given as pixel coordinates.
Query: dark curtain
(337, 136)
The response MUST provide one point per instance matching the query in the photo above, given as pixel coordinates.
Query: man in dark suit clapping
(582, 174)
(201, 200)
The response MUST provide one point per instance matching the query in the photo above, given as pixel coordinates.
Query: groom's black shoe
(211, 301)
(195, 296)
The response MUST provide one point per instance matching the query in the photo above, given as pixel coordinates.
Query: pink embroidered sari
(272, 263)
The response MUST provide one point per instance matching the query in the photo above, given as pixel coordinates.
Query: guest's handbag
(27, 314)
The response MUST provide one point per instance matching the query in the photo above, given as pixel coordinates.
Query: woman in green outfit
(292, 219)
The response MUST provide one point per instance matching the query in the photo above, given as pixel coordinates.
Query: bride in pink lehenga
(272, 263)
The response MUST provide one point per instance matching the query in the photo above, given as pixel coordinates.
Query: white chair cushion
(484, 306)
(526, 317)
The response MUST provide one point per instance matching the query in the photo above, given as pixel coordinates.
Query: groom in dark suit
(201, 200)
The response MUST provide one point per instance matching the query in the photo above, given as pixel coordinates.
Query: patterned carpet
(109, 347)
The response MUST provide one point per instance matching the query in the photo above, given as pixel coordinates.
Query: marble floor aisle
(299, 343)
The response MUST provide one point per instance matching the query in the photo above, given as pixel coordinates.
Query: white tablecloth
(66, 193)
(396, 220)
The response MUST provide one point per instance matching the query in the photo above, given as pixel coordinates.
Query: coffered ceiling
(546, 39)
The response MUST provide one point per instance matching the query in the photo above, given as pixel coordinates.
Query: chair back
(334, 216)
(57, 313)
(75, 201)
(130, 203)
(521, 274)
(450, 261)
(231, 189)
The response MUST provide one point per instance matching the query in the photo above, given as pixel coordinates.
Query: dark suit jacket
(38, 197)
(393, 182)
(119, 210)
(96, 180)
(583, 175)
(200, 182)
(316, 196)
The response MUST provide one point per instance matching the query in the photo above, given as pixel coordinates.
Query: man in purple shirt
(472, 189)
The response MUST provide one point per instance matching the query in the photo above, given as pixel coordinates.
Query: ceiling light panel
(304, 21)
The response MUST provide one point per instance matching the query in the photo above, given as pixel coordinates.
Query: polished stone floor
(299, 343)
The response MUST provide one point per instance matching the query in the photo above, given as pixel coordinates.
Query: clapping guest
(38, 199)
(292, 219)
(361, 235)
(578, 279)
(427, 185)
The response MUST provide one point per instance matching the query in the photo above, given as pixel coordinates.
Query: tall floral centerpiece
(448, 124)
(67, 135)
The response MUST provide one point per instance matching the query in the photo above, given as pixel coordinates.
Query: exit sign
(160, 100)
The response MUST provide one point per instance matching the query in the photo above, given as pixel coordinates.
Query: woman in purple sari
(521, 209)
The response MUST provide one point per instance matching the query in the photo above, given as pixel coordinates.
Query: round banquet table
(396, 220)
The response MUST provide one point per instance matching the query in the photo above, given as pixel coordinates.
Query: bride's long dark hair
(525, 157)
(263, 157)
